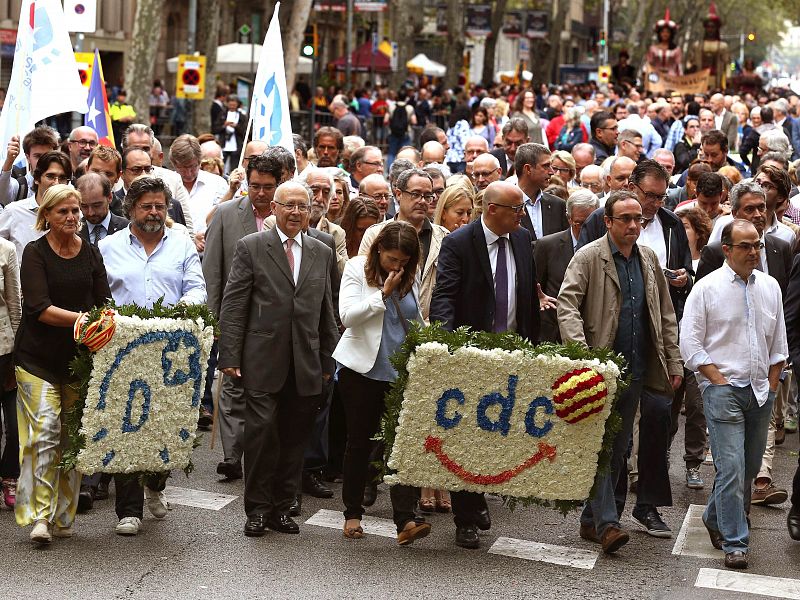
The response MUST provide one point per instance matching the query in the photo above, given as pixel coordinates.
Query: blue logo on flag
(276, 116)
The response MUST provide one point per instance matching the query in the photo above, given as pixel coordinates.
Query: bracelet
(383, 296)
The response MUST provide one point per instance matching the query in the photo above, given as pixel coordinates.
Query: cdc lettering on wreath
(516, 423)
(143, 397)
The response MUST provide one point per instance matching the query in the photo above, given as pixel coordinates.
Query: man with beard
(144, 262)
(328, 146)
(82, 141)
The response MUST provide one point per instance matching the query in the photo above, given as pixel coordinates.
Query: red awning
(364, 60)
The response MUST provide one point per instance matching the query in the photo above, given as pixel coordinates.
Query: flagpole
(246, 135)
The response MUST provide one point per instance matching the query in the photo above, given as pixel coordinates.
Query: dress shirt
(574, 240)
(511, 268)
(652, 236)
(172, 270)
(737, 326)
(205, 194)
(718, 120)
(17, 221)
(297, 250)
(105, 223)
(775, 228)
(259, 219)
(534, 208)
(632, 339)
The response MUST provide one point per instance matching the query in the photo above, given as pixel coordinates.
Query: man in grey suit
(232, 221)
(277, 307)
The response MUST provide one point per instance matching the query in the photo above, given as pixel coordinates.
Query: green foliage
(464, 336)
(81, 368)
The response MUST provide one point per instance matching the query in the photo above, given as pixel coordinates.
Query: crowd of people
(596, 215)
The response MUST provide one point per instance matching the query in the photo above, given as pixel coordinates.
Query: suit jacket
(791, 314)
(730, 127)
(779, 260)
(554, 216)
(678, 254)
(266, 316)
(175, 211)
(231, 222)
(464, 292)
(552, 254)
(329, 228)
(115, 224)
(500, 154)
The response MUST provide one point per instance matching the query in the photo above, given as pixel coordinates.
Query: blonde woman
(61, 277)
(454, 209)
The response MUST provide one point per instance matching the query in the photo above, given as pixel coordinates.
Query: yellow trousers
(43, 490)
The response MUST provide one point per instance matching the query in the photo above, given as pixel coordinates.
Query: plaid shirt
(675, 135)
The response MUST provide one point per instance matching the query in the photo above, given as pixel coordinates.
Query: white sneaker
(128, 526)
(63, 532)
(41, 532)
(156, 503)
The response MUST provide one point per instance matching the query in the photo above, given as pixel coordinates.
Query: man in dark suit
(553, 252)
(515, 133)
(544, 213)
(479, 285)
(98, 220)
(792, 317)
(278, 306)
(232, 221)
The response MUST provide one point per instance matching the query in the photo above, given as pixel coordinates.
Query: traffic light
(310, 40)
(751, 37)
(602, 41)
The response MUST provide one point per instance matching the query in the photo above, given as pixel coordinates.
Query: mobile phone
(669, 274)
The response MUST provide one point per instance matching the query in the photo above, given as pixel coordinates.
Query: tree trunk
(403, 24)
(293, 39)
(207, 40)
(498, 11)
(638, 32)
(454, 54)
(554, 49)
(142, 56)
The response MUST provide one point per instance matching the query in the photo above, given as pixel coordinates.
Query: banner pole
(246, 135)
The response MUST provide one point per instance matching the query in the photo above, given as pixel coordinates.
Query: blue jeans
(737, 428)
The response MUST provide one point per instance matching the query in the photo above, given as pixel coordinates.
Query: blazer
(361, 308)
(115, 224)
(779, 260)
(268, 323)
(590, 301)
(500, 155)
(329, 228)
(231, 222)
(554, 216)
(678, 254)
(10, 299)
(464, 292)
(730, 127)
(552, 254)
(791, 314)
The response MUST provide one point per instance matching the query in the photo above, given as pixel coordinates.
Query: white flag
(81, 15)
(44, 77)
(270, 106)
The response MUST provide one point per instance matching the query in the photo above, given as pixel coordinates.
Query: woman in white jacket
(377, 299)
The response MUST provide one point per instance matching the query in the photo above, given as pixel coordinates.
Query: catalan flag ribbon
(98, 117)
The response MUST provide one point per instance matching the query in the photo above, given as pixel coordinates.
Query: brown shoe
(780, 433)
(589, 533)
(418, 531)
(613, 539)
(736, 560)
(768, 495)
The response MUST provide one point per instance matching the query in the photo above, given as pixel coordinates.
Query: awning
(235, 58)
(422, 65)
(362, 59)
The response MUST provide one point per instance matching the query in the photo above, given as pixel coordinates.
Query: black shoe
(313, 486)
(256, 526)
(467, 537)
(736, 560)
(370, 494)
(101, 493)
(651, 521)
(85, 499)
(205, 419)
(231, 470)
(793, 523)
(483, 520)
(296, 507)
(283, 523)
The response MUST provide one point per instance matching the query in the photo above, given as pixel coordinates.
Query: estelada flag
(98, 117)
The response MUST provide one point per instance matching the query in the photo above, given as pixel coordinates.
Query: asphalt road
(201, 553)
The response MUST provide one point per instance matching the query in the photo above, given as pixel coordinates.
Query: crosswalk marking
(733, 581)
(692, 539)
(557, 555)
(371, 525)
(197, 498)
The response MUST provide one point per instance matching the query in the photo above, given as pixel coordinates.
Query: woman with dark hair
(378, 298)
(481, 126)
(361, 213)
(686, 150)
(457, 136)
(665, 56)
(524, 108)
(698, 227)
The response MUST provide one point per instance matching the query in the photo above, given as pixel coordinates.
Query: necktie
(501, 288)
(290, 255)
(98, 233)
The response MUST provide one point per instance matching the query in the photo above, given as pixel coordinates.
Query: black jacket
(554, 216)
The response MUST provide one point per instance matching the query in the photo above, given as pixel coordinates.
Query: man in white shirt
(738, 362)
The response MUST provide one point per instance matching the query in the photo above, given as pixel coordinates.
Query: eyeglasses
(379, 196)
(562, 169)
(652, 196)
(747, 247)
(90, 143)
(638, 219)
(53, 178)
(149, 207)
(767, 186)
(614, 128)
(416, 196)
(139, 170)
(516, 208)
(291, 207)
(374, 163)
(269, 187)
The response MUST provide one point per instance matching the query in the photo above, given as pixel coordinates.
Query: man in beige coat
(615, 296)
(414, 190)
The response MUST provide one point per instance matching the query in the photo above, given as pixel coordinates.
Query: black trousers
(129, 501)
(276, 430)
(363, 406)
(466, 506)
(9, 460)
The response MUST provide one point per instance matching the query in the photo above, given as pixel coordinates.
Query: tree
(454, 53)
(209, 19)
(293, 39)
(406, 20)
(142, 56)
(498, 11)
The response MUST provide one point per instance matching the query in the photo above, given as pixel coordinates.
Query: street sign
(85, 62)
(245, 29)
(603, 73)
(191, 77)
(394, 56)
